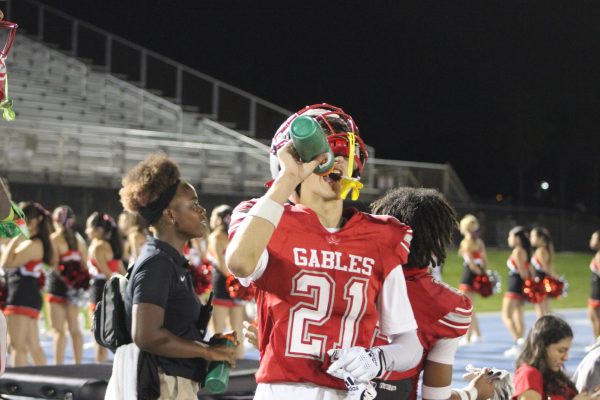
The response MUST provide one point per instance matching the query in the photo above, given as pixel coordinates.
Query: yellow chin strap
(349, 183)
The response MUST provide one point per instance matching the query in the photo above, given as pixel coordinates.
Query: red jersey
(441, 311)
(530, 378)
(320, 290)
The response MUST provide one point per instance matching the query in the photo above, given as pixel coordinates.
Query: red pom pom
(534, 290)
(202, 277)
(555, 287)
(237, 291)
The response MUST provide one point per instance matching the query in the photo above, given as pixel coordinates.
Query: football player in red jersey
(324, 274)
(443, 313)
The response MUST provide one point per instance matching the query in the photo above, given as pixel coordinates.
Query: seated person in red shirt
(539, 373)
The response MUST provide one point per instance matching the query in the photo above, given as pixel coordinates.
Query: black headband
(153, 211)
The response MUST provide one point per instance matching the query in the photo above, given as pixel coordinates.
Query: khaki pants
(177, 388)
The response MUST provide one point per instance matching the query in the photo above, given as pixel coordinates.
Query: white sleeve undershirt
(395, 312)
(258, 271)
(443, 351)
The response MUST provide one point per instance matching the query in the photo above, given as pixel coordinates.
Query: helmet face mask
(336, 124)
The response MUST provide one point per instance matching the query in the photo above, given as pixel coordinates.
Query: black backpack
(109, 323)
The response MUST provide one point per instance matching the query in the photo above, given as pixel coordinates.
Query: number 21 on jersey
(318, 288)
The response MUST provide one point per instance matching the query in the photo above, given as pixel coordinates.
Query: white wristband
(268, 209)
(436, 393)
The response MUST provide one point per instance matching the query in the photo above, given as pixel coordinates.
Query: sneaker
(476, 338)
(513, 352)
(516, 349)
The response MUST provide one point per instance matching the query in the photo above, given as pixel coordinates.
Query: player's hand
(361, 364)
(359, 390)
(292, 167)
(251, 333)
(490, 383)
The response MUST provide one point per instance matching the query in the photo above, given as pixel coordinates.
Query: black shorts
(394, 390)
(595, 287)
(23, 291)
(55, 286)
(96, 289)
(468, 276)
(540, 274)
(515, 284)
(219, 288)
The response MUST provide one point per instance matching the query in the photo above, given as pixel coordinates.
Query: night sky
(494, 88)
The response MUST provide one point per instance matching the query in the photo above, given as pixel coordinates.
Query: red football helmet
(336, 124)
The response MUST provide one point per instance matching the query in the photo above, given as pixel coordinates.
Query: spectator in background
(62, 297)
(594, 300)
(540, 366)
(104, 259)
(472, 250)
(162, 308)
(542, 262)
(226, 311)
(512, 305)
(133, 230)
(24, 261)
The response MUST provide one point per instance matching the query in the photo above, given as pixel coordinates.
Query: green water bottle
(309, 141)
(217, 378)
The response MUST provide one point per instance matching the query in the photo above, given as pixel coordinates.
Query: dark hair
(429, 215)
(224, 212)
(544, 233)
(547, 330)
(521, 233)
(36, 211)
(111, 232)
(147, 181)
(65, 216)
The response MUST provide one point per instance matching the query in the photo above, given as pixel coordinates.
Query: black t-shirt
(161, 276)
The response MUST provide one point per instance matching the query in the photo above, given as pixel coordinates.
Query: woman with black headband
(162, 308)
(24, 261)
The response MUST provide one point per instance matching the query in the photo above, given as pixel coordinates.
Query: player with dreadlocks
(443, 313)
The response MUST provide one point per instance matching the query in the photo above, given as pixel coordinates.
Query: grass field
(574, 266)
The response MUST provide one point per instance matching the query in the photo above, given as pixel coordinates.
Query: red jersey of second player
(319, 290)
(441, 311)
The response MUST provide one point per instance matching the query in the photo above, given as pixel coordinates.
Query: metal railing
(146, 102)
(186, 86)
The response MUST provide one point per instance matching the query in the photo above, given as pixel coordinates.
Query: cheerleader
(594, 300)
(513, 301)
(62, 295)
(542, 263)
(224, 307)
(472, 250)
(104, 259)
(24, 261)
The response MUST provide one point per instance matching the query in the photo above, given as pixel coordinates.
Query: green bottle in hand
(217, 378)
(309, 141)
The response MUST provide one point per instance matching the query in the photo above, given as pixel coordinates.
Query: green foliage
(574, 266)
